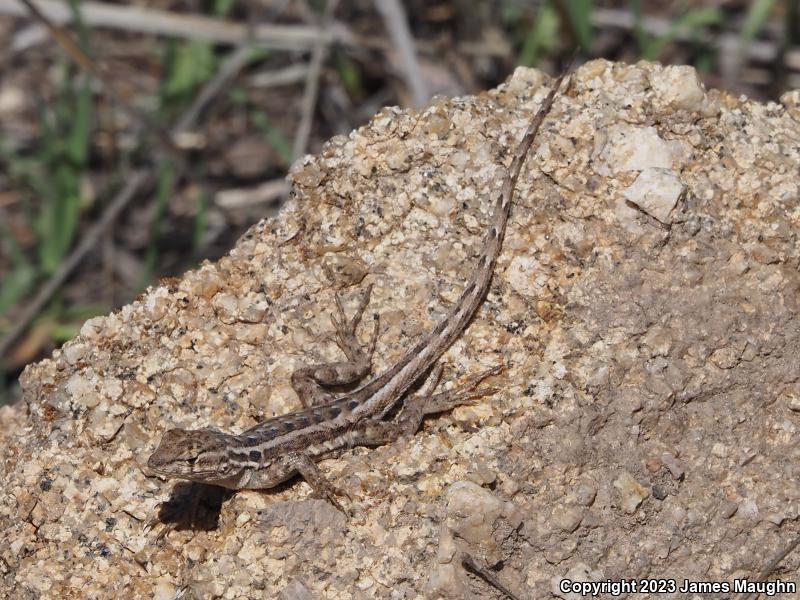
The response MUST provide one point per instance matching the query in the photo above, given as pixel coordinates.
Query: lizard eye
(192, 460)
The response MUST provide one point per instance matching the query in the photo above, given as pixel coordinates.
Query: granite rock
(630, 333)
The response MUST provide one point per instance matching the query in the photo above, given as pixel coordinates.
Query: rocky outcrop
(645, 305)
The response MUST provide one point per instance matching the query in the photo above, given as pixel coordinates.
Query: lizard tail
(382, 392)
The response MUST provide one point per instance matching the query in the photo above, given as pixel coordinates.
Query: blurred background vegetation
(138, 138)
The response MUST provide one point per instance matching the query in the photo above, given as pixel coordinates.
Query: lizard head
(197, 455)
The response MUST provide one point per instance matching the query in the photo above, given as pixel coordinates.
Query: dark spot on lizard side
(255, 455)
(250, 441)
(319, 415)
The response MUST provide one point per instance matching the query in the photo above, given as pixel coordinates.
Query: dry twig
(187, 26)
(396, 22)
(232, 66)
(318, 56)
(286, 76)
(772, 565)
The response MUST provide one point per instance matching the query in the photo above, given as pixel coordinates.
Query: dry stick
(193, 27)
(773, 564)
(264, 193)
(300, 37)
(159, 22)
(32, 309)
(312, 85)
(471, 564)
(279, 77)
(233, 65)
(396, 22)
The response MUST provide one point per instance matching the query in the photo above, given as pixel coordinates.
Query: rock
(295, 591)
(635, 148)
(472, 511)
(727, 509)
(624, 344)
(656, 191)
(679, 88)
(585, 494)
(748, 509)
(567, 518)
(580, 573)
(674, 465)
(631, 492)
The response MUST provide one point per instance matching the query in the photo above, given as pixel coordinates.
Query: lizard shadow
(195, 506)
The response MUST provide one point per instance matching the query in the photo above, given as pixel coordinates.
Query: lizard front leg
(287, 466)
(308, 381)
(323, 488)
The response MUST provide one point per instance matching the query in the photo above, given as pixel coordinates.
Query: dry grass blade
(394, 17)
(194, 27)
(229, 70)
(265, 193)
(312, 85)
(773, 564)
(286, 76)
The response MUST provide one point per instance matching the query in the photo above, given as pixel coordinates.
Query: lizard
(283, 446)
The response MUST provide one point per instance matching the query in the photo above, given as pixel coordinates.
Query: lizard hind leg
(310, 382)
(376, 432)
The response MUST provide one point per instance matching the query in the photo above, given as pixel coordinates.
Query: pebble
(631, 492)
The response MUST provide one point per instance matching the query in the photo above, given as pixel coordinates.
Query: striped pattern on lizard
(280, 447)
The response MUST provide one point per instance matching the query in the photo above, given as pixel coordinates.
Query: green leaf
(579, 13)
(756, 17)
(349, 75)
(238, 95)
(543, 36)
(164, 188)
(698, 19)
(222, 7)
(274, 137)
(258, 53)
(81, 312)
(192, 64)
(77, 146)
(691, 23)
(19, 281)
(63, 332)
